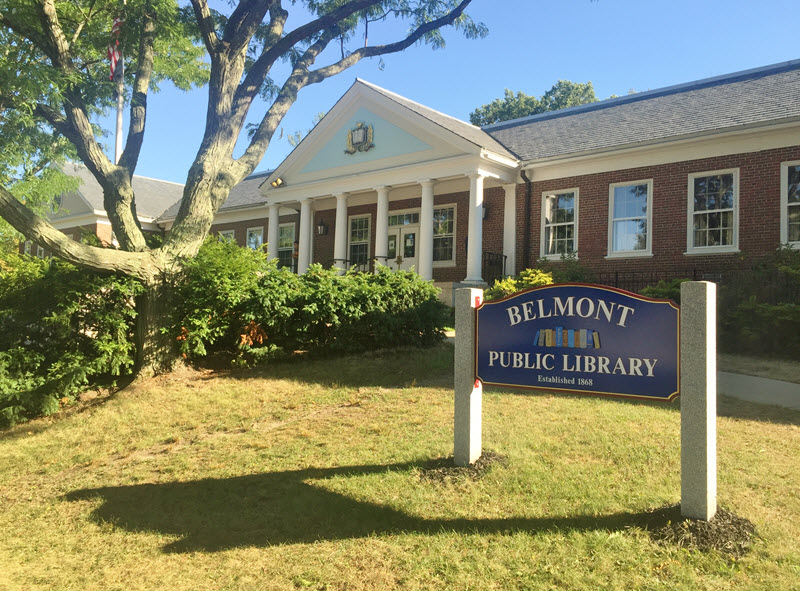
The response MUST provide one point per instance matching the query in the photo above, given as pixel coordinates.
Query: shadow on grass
(288, 507)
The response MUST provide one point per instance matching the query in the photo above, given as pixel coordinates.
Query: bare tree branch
(140, 265)
(301, 78)
(141, 84)
(206, 23)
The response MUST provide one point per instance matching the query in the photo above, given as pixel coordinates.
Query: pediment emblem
(359, 139)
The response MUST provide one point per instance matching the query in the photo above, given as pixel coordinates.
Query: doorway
(402, 248)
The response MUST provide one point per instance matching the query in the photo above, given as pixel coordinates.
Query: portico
(393, 190)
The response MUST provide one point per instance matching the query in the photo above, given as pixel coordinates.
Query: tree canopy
(55, 83)
(563, 94)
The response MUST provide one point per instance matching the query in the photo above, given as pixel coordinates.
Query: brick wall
(759, 213)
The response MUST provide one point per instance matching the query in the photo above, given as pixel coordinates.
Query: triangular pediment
(370, 131)
(379, 140)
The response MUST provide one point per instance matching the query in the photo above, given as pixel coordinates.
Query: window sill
(557, 257)
(712, 250)
(629, 255)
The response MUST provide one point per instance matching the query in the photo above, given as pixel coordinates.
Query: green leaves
(562, 95)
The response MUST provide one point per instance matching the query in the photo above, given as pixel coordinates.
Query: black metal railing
(494, 267)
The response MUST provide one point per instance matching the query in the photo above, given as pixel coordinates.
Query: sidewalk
(760, 390)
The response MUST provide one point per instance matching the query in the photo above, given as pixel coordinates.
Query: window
(286, 245)
(28, 246)
(255, 238)
(444, 234)
(713, 212)
(403, 219)
(359, 240)
(559, 223)
(227, 235)
(39, 252)
(790, 203)
(630, 219)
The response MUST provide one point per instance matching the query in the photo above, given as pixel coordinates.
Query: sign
(359, 139)
(580, 338)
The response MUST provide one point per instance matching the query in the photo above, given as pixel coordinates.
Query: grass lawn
(312, 475)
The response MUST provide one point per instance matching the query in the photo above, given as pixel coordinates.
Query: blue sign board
(580, 338)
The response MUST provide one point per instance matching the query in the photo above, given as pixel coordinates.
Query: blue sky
(619, 45)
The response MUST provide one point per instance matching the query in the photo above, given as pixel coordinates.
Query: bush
(233, 299)
(510, 285)
(61, 330)
(665, 290)
(567, 269)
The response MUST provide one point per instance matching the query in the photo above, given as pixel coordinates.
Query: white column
(425, 254)
(304, 241)
(510, 229)
(273, 231)
(475, 237)
(382, 226)
(698, 399)
(340, 233)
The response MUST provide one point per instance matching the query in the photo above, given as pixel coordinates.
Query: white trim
(722, 249)
(350, 219)
(648, 250)
(545, 194)
(255, 229)
(227, 234)
(785, 203)
(452, 262)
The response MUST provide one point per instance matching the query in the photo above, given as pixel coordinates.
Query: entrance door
(402, 248)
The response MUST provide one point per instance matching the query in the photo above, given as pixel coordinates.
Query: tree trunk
(156, 350)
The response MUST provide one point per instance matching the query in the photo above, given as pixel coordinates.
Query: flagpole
(119, 76)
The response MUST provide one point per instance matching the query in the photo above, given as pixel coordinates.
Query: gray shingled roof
(245, 194)
(471, 133)
(152, 196)
(749, 98)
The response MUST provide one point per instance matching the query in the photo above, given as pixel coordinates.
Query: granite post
(698, 371)
(468, 390)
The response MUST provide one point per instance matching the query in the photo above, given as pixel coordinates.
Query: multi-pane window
(629, 218)
(559, 223)
(790, 203)
(712, 207)
(226, 235)
(403, 219)
(443, 233)
(255, 238)
(286, 245)
(359, 240)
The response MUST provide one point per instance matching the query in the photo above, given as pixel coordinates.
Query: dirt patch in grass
(443, 470)
(726, 532)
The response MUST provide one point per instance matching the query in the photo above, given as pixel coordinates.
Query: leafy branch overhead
(56, 84)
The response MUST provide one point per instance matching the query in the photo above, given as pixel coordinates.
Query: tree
(563, 94)
(57, 82)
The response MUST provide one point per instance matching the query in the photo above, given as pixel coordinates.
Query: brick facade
(759, 213)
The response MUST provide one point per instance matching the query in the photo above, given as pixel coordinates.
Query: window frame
(722, 248)
(290, 248)
(624, 254)
(545, 195)
(452, 261)
(350, 219)
(259, 229)
(227, 235)
(784, 233)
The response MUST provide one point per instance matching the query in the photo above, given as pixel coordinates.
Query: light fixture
(322, 228)
(485, 212)
(277, 182)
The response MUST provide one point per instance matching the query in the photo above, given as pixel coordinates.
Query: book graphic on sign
(572, 338)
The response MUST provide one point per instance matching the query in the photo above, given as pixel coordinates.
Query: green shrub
(666, 290)
(510, 285)
(232, 299)
(61, 330)
(567, 269)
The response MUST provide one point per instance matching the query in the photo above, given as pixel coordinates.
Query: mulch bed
(443, 470)
(726, 533)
